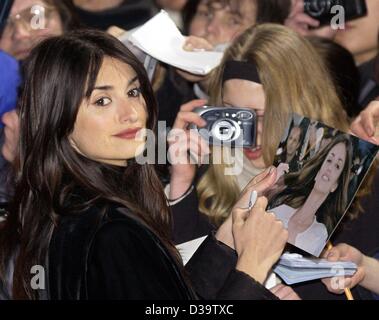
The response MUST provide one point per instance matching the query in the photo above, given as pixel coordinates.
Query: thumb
(333, 255)
(266, 181)
(239, 216)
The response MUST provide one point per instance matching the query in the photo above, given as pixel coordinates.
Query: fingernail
(271, 171)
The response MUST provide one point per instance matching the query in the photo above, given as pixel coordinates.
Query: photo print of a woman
(310, 202)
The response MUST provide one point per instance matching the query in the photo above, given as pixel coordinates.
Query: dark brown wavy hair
(59, 74)
(294, 188)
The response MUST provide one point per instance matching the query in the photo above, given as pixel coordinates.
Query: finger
(333, 254)
(275, 289)
(116, 31)
(193, 43)
(263, 181)
(198, 143)
(284, 292)
(239, 216)
(184, 118)
(261, 176)
(324, 32)
(189, 106)
(297, 7)
(260, 204)
(303, 18)
(360, 131)
(355, 279)
(266, 182)
(368, 124)
(198, 147)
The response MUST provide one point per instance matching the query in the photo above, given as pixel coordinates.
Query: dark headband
(240, 70)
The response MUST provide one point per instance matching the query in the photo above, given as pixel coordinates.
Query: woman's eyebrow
(339, 159)
(109, 87)
(105, 87)
(131, 81)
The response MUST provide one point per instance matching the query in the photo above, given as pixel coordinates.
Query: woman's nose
(128, 112)
(22, 32)
(213, 27)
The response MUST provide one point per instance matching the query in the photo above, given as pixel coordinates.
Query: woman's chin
(256, 157)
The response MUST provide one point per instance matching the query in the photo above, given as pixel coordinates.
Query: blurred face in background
(361, 36)
(293, 141)
(220, 21)
(27, 26)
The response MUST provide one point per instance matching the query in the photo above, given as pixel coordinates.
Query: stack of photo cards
(294, 268)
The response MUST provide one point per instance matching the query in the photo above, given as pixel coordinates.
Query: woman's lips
(253, 154)
(128, 134)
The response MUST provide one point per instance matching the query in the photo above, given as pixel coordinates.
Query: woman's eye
(328, 161)
(102, 102)
(234, 21)
(203, 14)
(338, 166)
(134, 93)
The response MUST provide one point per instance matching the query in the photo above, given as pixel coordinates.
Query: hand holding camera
(186, 149)
(313, 17)
(230, 127)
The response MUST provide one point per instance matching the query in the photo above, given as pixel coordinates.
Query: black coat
(114, 255)
(111, 256)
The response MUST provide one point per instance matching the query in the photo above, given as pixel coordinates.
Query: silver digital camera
(234, 127)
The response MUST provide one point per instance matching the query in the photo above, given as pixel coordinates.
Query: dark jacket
(111, 254)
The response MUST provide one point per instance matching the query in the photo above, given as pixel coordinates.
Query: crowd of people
(75, 102)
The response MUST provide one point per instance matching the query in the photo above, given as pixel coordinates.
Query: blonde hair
(294, 79)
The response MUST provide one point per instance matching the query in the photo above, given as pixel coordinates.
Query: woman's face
(360, 36)
(108, 125)
(248, 94)
(313, 133)
(220, 24)
(293, 141)
(327, 178)
(27, 26)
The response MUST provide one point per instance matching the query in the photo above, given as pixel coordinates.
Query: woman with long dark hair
(84, 208)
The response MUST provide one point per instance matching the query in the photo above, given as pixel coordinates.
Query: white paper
(160, 38)
(187, 249)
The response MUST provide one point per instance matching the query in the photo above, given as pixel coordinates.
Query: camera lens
(317, 8)
(224, 130)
